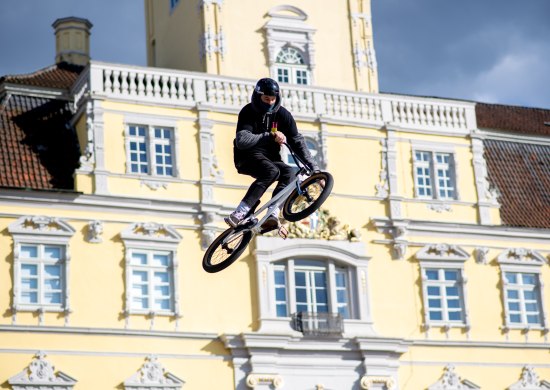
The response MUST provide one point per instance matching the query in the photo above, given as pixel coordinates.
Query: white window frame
(287, 28)
(151, 238)
(150, 125)
(296, 73)
(433, 165)
(272, 253)
(150, 270)
(41, 231)
(315, 265)
(444, 257)
(523, 261)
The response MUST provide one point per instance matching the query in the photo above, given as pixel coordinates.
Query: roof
(518, 170)
(522, 120)
(521, 173)
(60, 76)
(37, 149)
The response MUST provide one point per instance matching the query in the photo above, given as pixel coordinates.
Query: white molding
(269, 250)
(152, 375)
(442, 252)
(40, 375)
(452, 381)
(529, 380)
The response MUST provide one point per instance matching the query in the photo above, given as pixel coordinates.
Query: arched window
(291, 67)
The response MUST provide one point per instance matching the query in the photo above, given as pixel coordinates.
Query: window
(173, 4)
(522, 290)
(317, 287)
(42, 280)
(291, 67)
(150, 150)
(311, 145)
(41, 265)
(434, 175)
(522, 298)
(152, 286)
(444, 294)
(290, 45)
(443, 285)
(151, 269)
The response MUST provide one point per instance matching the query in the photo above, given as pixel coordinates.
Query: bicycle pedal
(283, 233)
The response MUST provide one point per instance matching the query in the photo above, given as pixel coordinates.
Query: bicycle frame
(278, 200)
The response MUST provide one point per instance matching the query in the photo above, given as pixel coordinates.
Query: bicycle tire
(297, 207)
(216, 258)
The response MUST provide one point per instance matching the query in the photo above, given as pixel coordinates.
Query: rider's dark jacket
(254, 134)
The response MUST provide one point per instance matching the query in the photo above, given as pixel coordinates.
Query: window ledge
(525, 327)
(447, 325)
(152, 313)
(40, 308)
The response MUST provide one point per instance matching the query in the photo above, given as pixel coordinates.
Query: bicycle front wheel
(315, 190)
(225, 249)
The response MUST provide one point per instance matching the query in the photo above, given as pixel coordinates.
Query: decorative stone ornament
(152, 375)
(372, 383)
(452, 381)
(322, 226)
(254, 380)
(40, 375)
(95, 231)
(530, 381)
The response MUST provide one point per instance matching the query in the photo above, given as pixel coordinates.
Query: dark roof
(60, 76)
(37, 149)
(521, 174)
(523, 120)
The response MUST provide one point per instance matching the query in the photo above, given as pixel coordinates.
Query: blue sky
(495, 51)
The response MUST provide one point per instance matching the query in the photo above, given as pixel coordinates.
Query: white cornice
(511, 137)
(442, 229)
(32, 91)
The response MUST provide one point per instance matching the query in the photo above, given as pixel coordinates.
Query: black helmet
(267, 87)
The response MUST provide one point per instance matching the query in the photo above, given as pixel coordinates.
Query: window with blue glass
(291, 66)
(41, 275)
(444, 295)
(151, 281)
(151, 150)
(522, 298)
(434, 175)
(312, 286)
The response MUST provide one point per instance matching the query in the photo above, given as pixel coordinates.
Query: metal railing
(318, 324)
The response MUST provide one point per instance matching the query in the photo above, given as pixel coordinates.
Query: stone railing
(187, 89)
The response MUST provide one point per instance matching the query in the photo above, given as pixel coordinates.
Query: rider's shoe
(271, 223)
(234, 218)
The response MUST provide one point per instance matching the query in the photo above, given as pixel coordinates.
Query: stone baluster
(148, 84)
(173, 92)
(140, 84)
(108, 85)
(116, 81)
(124, 82)
(132, 83)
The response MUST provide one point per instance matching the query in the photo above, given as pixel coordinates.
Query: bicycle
(299, 199)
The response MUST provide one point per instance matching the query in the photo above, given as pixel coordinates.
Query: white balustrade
(187, 89)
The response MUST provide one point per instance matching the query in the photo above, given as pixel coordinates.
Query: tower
(324, 43)
(72, 40)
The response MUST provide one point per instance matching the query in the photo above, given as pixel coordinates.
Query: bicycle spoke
(225, 250)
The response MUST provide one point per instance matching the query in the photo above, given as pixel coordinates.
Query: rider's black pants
(266, 172)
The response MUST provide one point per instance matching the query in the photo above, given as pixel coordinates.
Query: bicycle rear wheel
(315, 190)
(225, 249)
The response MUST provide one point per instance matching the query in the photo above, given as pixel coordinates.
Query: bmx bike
(299, 199)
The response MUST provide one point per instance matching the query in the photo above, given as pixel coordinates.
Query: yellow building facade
(426, 287)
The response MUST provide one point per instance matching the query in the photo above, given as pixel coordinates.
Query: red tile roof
(521, 174)
(61, 76)
(37, 150)
(523, 120)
